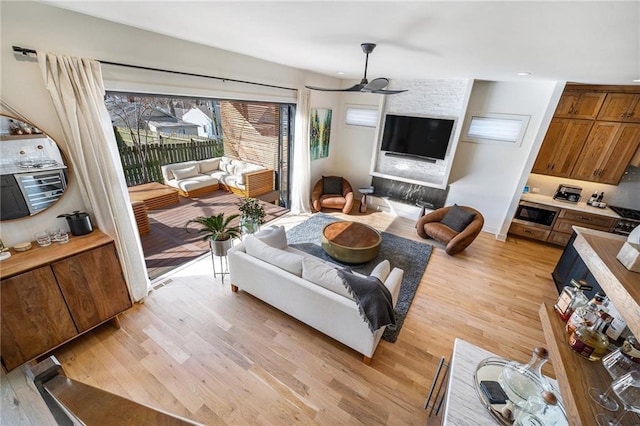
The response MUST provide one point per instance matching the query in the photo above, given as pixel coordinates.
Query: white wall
(489, 177)
(45, 28)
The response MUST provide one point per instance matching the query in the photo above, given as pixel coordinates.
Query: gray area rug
(411, 256)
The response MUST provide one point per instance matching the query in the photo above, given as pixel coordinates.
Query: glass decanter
(571, 298)
(523, 381)
(589, 341)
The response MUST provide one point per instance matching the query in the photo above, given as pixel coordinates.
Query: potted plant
(218, 230)
(253, 215)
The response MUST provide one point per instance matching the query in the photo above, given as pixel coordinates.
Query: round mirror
(33, 172)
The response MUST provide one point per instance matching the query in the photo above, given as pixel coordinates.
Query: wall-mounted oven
(534, 214)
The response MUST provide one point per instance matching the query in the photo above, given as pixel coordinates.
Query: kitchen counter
(581, 206)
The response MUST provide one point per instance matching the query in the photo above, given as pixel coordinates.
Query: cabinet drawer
(529, 231)
(559, 238)
(564, 225)
(589, 220)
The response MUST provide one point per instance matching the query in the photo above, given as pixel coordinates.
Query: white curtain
(301, 173)
(77, 91)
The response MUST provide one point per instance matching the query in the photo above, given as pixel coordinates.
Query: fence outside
(141, 163)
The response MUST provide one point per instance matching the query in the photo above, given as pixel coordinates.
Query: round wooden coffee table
(351, 242)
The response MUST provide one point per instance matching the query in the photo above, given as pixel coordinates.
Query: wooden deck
(169, 244)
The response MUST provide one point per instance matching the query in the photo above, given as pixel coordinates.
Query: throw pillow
(457, 218)
(289, 262)
(186, 172)
(210, 165)
(332, 185)
(274, 236)
(323, 275)
(381, 271)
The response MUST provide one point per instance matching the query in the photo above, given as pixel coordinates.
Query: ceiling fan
(375, 86)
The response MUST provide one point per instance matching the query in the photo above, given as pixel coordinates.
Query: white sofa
(280, 276)
(195, 178)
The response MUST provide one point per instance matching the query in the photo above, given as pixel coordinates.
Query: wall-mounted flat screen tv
(416, 136)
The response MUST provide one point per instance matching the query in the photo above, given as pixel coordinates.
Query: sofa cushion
(224, 162)
(193, 183)
(324, 275)
(382, 270)
(187, 172)
(209, 165)
(457, 218)
(289, 262)
(331, 185)
(274, 236)
(246, 168)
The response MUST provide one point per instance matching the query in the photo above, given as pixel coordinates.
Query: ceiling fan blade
(354, 88)
(388, 92)
(376, 84)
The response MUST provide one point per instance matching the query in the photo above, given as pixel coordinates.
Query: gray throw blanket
(373, 299)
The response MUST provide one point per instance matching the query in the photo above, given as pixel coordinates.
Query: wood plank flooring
(168, 245)
(198, 350)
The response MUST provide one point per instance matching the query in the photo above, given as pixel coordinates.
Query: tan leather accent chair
(430, 226)
(342, 201)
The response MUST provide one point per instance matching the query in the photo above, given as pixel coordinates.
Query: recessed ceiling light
(524, 73)
(637, 80)
(340, 72)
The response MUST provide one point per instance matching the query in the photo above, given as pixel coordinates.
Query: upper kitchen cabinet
(579, 104)
(607, 152)
(561, 146)
(623, 107)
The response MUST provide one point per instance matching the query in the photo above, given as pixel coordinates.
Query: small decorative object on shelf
(571, 298)
(540, 410)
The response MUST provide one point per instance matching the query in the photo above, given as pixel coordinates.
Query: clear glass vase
(249, 225)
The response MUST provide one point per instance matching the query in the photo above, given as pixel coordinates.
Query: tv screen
(416, 136)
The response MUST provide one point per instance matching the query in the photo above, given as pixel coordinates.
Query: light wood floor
(198, 350)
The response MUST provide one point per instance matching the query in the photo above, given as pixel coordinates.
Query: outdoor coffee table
(351, 242)
(154, 195)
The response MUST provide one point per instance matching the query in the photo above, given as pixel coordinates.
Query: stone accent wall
(433, 98)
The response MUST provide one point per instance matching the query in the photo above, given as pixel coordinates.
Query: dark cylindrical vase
(79, 224)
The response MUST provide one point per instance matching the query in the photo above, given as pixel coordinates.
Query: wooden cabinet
(561, 146)
(529, 231)
(49, 295)
(621, 107)
(34, 316)
(607, 152)
(562, 229)
(579, 104)
(594, 134)
(563, 226)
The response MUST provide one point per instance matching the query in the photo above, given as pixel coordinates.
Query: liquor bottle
(589, 341)
(593, 198)
(600, 197)
(571, 297)
(587, 314)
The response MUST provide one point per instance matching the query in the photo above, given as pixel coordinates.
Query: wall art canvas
(320, 131)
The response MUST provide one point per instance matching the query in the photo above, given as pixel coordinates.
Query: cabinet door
(607, 152)
(576, 104)
(93, 286)
(561, 146)
(621, 107)
(35, 318)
